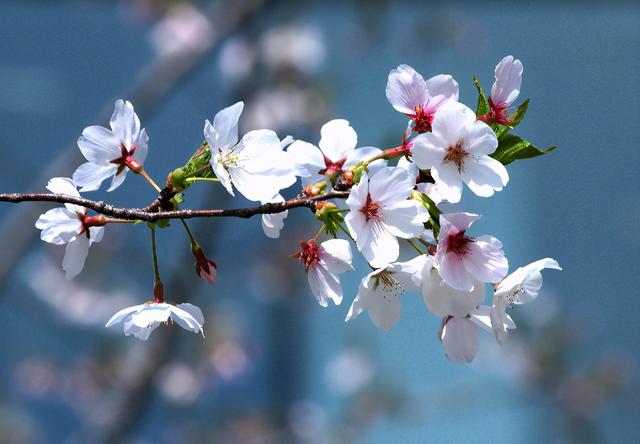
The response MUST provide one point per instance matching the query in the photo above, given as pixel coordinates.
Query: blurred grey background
(274, 366)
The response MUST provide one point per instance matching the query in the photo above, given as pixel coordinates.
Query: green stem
(418, 249)
(201, 179)
(189, 233)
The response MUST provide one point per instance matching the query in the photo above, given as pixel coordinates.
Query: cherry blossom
(505, 89)
(335, 154)
(141, 320)
(111, 152)
(70, 225)
(443, 300)
(380, 212)
(457, 150)
(427, 188)
(380, 291)
(460, 335)
(519, 287)
(463, 260)
(417, 98)
(323, 263)
(255, 165)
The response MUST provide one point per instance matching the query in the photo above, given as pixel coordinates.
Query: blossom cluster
(393, 196)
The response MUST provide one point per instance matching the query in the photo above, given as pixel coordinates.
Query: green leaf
(162, 223)
(483, 102)
(512, 147)
(434, 212)
(515, 118)
(178, 198)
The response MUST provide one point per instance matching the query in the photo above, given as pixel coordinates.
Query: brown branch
(151, 216)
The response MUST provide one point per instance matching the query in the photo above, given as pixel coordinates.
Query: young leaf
(512, 147)
(483, 102)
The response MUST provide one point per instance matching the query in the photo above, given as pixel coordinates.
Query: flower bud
(206, 269)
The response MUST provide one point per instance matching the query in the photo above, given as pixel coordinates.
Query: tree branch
(151, 216)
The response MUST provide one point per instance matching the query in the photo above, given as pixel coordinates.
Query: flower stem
(318, 233)
(148, 178)
(121, 221)
(189, 233)
(201, 179)
(154, 253)
(418, 249)
(343, 229)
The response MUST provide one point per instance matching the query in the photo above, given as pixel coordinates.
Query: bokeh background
(274, 366)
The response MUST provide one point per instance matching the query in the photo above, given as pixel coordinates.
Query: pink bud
(205, 268)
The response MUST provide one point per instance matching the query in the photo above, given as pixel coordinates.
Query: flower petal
(75, 256)
(406, 89)
(337, 139)
(307, 158)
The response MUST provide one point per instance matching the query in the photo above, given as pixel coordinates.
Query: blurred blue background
(274, 366)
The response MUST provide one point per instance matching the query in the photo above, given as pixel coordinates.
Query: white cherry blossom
(335, 154)
(506, 88)
(255, 165)
(380, 211)
(460, 335)
(443, 300)
(111, 152)
(70, 225)
(380, 291)
(463, 260)
(141, 320)
(417, 98)
(323, 263)
(427, 188)
(457, 150)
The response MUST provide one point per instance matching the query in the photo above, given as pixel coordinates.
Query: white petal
(461, 222)
(409, 273)
(335, 255)
(142, 146)
(141, 333)
(253, 186)
(188, 316)
(452, 122)
(382, 247)
(454, 273)
(443, 85)
(117, 180)
(390, 185)
(99, 145)
(151, 314)
(96, 234)
(125, 123)
(307, 158)
(484, 175)
(480, 140)
(358, 195)
(337, 139)
(485, 262)
(58, 225)
(89, 176)
(64, 185)
(123, 314)
(382, 303)
(448, 181)
(506, 88)
(442, 300)
(324, 285)
(224, 131)
(406, 218)
(75, 255)
(406, 89)
(428, 151)
(461, 339)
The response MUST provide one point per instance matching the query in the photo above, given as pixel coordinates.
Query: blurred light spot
(179, 383)
(230, 360)
(184, 28)
(307, 420)
(237, 58)
(300, 46)
(348, 372)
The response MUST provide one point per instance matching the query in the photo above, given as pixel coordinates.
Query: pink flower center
(126, 161)
(422, 120)
(371, 210)
(309, 254)
(499, 112)
(456, 154)
(458, 243)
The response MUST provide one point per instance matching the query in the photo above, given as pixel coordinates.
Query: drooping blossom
(70, 225)
(460, 335)
(505, 89)
(457, 150)
(380, 211)
(464, 260)
(323, 263)
(380, 291)
(272, 223)
(141, 320)
(443, 300)
(417, 98)
(335, 154)
(519, 287)
(111, 152)
(206, 269)
(255, 165)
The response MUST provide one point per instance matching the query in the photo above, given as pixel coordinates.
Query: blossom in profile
(457, 150)
(505, 89)
(70, 225)
(464, 260)
(141, 320)
(323, 263)
(460, 335)
(206, 269)
(255, 165)
(111, 152)
(335, 154)
(380, 211)
(419, 99)
(380, 291)
(273, 223)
